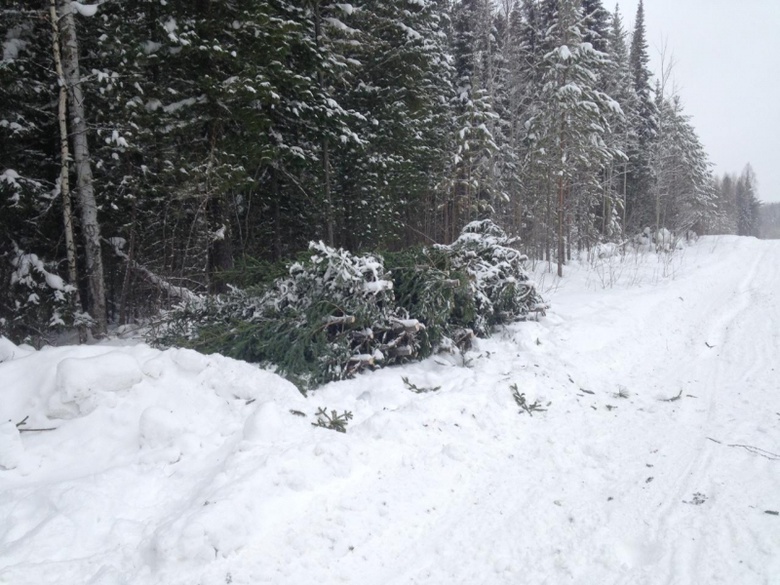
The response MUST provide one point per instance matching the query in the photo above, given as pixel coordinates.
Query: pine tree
(531, 210)
(595, 27)
(619, 85)
(400, 84)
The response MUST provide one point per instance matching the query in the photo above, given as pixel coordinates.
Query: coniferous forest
(155, 150)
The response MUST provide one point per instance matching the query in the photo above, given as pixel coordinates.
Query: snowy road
(656, 461)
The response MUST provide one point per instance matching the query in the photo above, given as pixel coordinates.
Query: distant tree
(623, 137)
(747, 203)
(769, 221)
(684, 196)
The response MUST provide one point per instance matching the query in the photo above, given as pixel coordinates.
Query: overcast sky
(727, 73)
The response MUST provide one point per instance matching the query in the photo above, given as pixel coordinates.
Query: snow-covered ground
(655, 461)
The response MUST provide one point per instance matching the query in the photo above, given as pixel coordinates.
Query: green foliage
(427, 287)
(333, 315)
(333, 421)
(419, 389)
(37, 302)
(336, 314)
(521, 401)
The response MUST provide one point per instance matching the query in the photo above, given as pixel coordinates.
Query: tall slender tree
(644, 120)
(88, 207)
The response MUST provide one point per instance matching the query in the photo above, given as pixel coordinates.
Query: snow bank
(98, 444)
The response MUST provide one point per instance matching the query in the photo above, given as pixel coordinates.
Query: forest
(154, 151)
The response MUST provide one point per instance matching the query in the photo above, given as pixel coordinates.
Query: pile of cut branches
(336, 314)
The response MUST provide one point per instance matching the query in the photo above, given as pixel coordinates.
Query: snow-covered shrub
(606, 250)
(36, 299)
(664, 240)
(644, 242)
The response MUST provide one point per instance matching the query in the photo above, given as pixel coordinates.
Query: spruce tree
(639, 203)
(747, 203)
(471, 176)
(568, 132)
(684, 196)
(618, 85)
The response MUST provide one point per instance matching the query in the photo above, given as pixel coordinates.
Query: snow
(85, 9)
(13, 42)
(11, 48)
(646, 450)
(337, 24)
(10, 177)
(347, 9)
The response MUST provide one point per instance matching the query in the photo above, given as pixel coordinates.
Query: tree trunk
(128, 274)
(561, 248)
(90, 227)
(67, 209)
(219, 252)
(328, 196)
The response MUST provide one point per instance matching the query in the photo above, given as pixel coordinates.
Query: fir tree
(684, 197)
(473, 188)
(639, 205)
(568, 133)
(618, 84)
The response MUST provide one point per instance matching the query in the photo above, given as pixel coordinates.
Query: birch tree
(90, 226)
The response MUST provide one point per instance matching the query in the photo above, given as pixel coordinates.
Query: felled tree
(332, 316)
(501, 289)
(467, 287)
(336, 314)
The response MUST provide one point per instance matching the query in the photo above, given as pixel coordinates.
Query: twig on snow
(673, 398)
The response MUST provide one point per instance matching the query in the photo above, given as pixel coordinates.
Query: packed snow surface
(647, 450)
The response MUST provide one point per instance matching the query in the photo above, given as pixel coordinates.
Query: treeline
(737, 205)
(205, 140)
(769, 225)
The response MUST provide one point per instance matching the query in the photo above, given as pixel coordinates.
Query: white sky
(727, 73)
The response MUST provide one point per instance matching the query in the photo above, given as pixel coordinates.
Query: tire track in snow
(685, 536)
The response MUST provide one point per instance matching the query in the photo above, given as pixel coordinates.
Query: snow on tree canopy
(11, 178)
(346, 8)
(85, 9)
